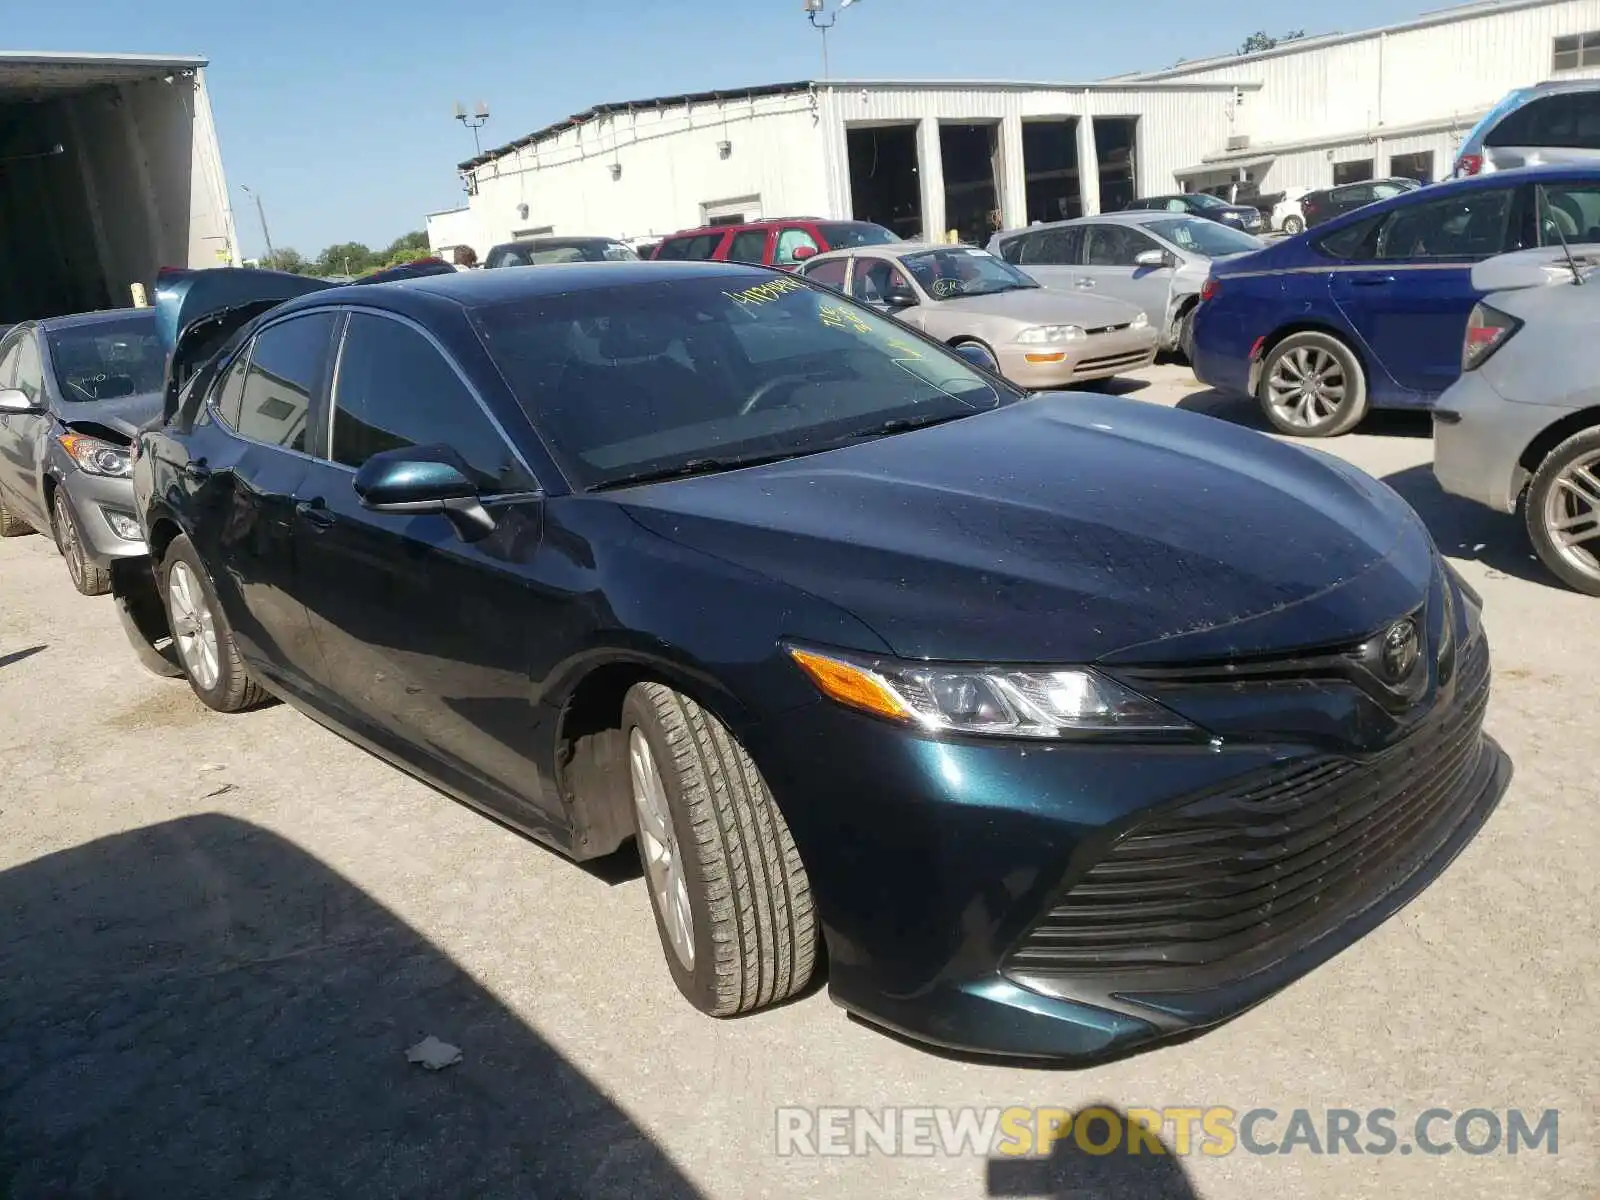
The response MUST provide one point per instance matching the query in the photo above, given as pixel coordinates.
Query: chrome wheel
(1307, 387)
(658, 847)
(1293, 226)
(67, 538)
(1572, 514)
(193, 627)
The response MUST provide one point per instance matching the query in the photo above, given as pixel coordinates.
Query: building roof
(35, 75)
(1441, 16)
(600, 111)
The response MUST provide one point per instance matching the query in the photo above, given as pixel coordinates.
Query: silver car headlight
(97, 457)
(1045, 335)
(1048, 702)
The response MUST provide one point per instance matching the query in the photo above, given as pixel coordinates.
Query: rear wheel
(12, 525)
(1563, 511)
(731, 898)
(88, 578)
(1293, 225)
(1312, 386)
(204, 642)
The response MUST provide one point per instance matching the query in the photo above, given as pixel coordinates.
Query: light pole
(262, 213)
(813, 10)
(474, 122)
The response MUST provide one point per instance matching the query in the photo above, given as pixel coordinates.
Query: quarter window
(396, 390)
(287, 364)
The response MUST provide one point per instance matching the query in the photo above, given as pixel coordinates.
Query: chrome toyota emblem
(1399, 650)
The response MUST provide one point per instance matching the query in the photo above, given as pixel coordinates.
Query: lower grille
(1229, 880)
(1107, 362)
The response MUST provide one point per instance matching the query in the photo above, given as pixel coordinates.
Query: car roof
(547, 241)
(99, 317)
(479, 289)
(890, 250)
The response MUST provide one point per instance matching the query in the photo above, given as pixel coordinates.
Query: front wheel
(731, 898)
(88, 578)
(1312, 386)
(204, 641)
(1293, 225)
(1563, 511)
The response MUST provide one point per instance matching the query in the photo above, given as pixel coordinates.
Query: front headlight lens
(97, 457)
(1142, 320)
(995, 701)
(1046, 335)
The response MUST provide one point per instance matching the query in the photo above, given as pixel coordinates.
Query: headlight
(95, 456)
(994, 701)
(1142, 320)
(1043, 335)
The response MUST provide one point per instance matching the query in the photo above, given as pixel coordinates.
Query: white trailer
(109, 170)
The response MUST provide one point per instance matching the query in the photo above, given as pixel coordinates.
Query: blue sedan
(1368, 310)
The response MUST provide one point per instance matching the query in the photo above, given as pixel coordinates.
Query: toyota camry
(1046, 726)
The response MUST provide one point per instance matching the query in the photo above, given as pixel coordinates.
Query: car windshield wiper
(700, 466)
(902, 424)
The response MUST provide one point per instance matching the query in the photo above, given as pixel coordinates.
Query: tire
(88, 578)
(993, 364)
(1293, 225)
(722, 860)
(1564, 498)
(12, 525)
(1292, 365)
(1180, 334)
(219, 677)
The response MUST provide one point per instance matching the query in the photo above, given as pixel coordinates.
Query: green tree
(286, 258)
(405, 248)
(1262, 40)
(345, 258)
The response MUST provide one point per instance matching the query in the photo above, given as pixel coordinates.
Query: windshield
(1206, 200)
(107, 359)
(541, 253)
(856, 233)
(1199, 236)
(686, 374)
(964, 271)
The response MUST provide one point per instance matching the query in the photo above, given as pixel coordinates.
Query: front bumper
(976, 895)
(1097, 356)
(1479, 437)
(95, 501)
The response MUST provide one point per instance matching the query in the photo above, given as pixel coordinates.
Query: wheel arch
(1282, 333)
(1552, 436)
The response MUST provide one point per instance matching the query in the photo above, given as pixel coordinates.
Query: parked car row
(729, 564)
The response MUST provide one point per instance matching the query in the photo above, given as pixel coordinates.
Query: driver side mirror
(801, 253)
(1151, 258)
(14, 400)
(424, 479)
(900, 297)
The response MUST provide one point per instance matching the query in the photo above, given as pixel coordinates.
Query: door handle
(316, 513)
(1372, 281)
(197, 470)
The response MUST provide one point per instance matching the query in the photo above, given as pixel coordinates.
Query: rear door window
(697, 247)
(875, 278)
(829, 274)
(1569, 211)
(287, 366)
(748, 246)
(1566, 119)
(790, 240)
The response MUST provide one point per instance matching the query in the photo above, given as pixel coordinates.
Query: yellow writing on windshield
(905, 348)
(838, 316)
(765, 293)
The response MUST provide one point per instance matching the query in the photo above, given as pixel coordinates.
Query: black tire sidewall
(1354, 407)
(83, 573)
(981, 345)
(1544, 478)
(224, 696)
(699, 984)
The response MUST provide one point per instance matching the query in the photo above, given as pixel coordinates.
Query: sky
(338, 112)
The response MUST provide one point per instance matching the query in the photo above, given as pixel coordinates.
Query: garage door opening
(1050, 168)
(108, 172)
(885, 187)
(970, 155)
(1116, 144)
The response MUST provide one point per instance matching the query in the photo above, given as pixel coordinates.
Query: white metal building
(931, 157)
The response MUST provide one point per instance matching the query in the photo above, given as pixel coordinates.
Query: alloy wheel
(69, 541)
(1307, 387)
(663, 862)
(1571, 514)
(193, 627)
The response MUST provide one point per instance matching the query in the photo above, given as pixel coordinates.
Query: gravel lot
(218, 936)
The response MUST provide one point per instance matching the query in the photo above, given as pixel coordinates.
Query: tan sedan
(1035, 337)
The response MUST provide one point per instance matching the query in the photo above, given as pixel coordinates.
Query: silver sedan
(1154, 260)
(1522, 424)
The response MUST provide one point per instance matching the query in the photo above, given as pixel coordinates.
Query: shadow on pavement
(1072, 1173)
(1243, 410)
(1466, 530)
(17, 656)
(1119, 385)
(199, 1008)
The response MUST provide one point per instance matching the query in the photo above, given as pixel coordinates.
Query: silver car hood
(1040, 306)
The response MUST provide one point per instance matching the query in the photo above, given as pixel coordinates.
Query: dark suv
(777, 243)
(1328, 203)
(1204, 204)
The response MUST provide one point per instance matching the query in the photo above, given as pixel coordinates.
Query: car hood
(1068, 529)
(1040, 306)
(126, 414)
